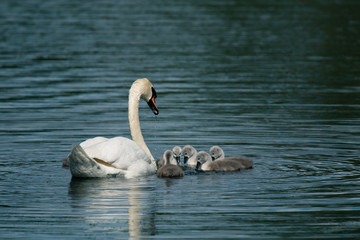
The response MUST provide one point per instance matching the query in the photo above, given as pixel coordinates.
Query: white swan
(101, 157)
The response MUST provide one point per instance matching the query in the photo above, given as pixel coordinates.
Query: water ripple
(276, 82)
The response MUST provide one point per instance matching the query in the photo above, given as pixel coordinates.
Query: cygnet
(177, 152)
(205, 163)
(189, 153)
(217, 153)
(175, 157)
(169, 170)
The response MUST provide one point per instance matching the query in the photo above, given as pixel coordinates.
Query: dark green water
(276, 81)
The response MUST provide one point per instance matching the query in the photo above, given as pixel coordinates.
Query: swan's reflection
(134, 214)
(115, 206)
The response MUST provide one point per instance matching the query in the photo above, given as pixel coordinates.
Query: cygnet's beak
(177, 158)
(198, 166)
(185, 159)
(152, 104)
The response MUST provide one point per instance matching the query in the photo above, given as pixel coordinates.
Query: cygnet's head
(188, 151)
(216, 152)
(167, 156)
(201, 158)
(177, 152)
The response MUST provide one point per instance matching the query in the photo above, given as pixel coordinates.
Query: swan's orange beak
(152, 103)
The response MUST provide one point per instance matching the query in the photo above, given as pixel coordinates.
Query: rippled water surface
(276, 81)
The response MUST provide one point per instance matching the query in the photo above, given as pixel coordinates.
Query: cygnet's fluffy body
(217, 154)
(189, 153)
(205, 163)
(175, 157)
(169, 170)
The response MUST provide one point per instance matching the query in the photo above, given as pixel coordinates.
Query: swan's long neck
(134, 123)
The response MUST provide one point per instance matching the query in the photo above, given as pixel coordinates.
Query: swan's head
(216, 152)
(201, 158)
(188, 151)
(177, 152)
(144, 89)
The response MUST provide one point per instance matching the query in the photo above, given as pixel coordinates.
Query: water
(276, 81)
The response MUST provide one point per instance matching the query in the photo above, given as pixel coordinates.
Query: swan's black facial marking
(151, 102)
(153, 92)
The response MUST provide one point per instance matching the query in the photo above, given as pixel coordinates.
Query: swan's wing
(119, 151)
(81, 165)
(92, 141)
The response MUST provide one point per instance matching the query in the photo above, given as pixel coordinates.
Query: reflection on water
(134, 214)
(113, 206)
(275, 81)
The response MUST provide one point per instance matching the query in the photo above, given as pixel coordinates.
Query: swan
(217, 153)
(189, 153)
(169, 170)
(102, 157)
(175, 158)
(205, 163)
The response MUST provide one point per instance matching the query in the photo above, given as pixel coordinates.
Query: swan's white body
(118, 151)
(102, 157)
